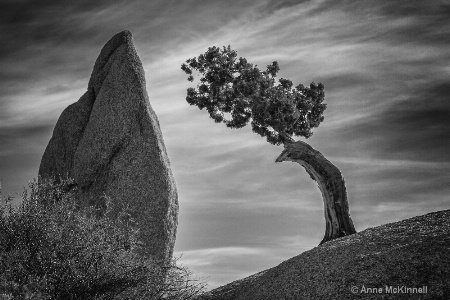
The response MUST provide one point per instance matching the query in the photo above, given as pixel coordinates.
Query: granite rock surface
(385, 262)
(111, 143)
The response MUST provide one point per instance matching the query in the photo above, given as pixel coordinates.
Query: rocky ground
(409, 259)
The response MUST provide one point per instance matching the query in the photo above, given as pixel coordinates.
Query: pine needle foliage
(236, 92)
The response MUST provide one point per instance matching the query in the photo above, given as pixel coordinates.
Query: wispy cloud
(213, 263)
(385, 66)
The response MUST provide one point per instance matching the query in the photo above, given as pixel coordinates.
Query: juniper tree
(236, 92)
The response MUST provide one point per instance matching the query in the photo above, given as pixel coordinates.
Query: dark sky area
(386, 70)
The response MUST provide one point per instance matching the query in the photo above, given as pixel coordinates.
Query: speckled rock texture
(385, 262)
(111, 143)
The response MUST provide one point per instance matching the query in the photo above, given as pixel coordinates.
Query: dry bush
(52, 249)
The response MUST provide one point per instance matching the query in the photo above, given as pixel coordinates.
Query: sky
(386, 70)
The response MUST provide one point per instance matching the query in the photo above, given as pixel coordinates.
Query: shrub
(50, 248)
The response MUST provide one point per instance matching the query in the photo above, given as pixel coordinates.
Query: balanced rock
(110, 143)
(409, 259)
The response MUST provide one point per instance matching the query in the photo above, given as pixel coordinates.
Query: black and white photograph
(221, 150)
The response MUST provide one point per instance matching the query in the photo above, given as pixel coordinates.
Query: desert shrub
(50, 248)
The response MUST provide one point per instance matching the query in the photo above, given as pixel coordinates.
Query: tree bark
(331, 184)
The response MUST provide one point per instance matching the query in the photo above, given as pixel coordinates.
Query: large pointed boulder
(110, 143)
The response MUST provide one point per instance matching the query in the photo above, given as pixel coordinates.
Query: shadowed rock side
(414, 253)
(110, 142)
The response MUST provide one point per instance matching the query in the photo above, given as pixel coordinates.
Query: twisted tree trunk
(331, 184)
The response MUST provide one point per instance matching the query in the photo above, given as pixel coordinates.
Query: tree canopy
(236, 92)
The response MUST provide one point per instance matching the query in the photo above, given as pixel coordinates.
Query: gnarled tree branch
(331, 184)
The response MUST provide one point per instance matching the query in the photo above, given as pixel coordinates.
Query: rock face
(377, 263)
(110, 142)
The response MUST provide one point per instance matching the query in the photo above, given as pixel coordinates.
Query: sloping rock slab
(409, 259)
(111, 143)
